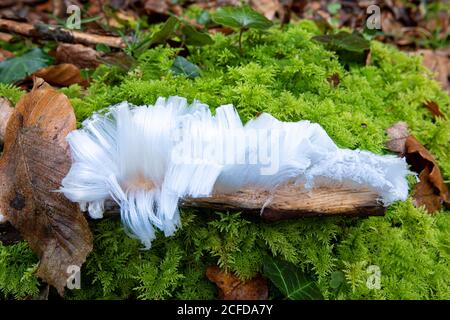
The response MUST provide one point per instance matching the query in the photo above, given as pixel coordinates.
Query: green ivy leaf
(350, 47)
(294, 284)
(354, 42)
(17, 68)
(204, 17)
(195, 37)
(333, 7)
(166, 31)
(181, 66)
(337, 279)
(241, 18)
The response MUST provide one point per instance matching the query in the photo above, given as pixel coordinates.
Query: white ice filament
(148, 157)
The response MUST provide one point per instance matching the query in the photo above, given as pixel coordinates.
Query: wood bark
(43, 31)
(289, 202)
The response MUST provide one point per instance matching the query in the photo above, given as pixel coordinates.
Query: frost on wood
(148, 158)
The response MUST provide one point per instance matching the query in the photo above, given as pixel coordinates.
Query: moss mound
(284, 73)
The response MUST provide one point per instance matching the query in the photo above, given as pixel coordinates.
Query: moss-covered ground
(285, 73)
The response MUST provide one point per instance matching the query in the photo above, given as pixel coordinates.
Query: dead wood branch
(47, 32)
(289, 202)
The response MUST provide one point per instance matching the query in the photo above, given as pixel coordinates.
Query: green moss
(284, 73)
(17, 266)
(11, 92)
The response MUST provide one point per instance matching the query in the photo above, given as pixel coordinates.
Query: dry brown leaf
(35, 159)
(397, 137)
(5, 54)
(62, 75)
(334, 80)
(158, 6)
(5, 36)
(267, 7)
(438, 61)
(6, 110)
(434, 108)
(232, 288)
(77, 54)
(431, 190)
(8, 234)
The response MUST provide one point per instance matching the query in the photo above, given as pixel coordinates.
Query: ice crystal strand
(146, 158)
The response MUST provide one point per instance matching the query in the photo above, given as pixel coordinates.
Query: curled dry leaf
(434, 108)
(35, 159)
(62, 75)
(82, 56)
(431, 190)
(334, 80)
(232, 288)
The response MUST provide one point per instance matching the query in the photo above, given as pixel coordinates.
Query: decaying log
(47, 32)
(289, 202)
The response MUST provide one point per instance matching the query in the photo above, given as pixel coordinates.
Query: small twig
(48, 32)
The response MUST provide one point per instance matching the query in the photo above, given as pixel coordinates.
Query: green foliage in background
(17, 68)
(285, 73)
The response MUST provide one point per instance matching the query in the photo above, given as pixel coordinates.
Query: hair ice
(148, 157)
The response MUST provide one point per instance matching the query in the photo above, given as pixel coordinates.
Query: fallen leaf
(8, 234)
(267, 7)
(397, 137)
(292, 282)
(62, 75)
(6, 109)
(334, 80)
(232, 288)
(17, 68)
(431, 190)
(35, 159)
(434, 108)
(5, 37)
(158, 6)
(438, 61)
(182, 66)
(81, 56)
(5, 54)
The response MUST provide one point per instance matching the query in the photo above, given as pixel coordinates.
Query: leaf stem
(240, 40)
